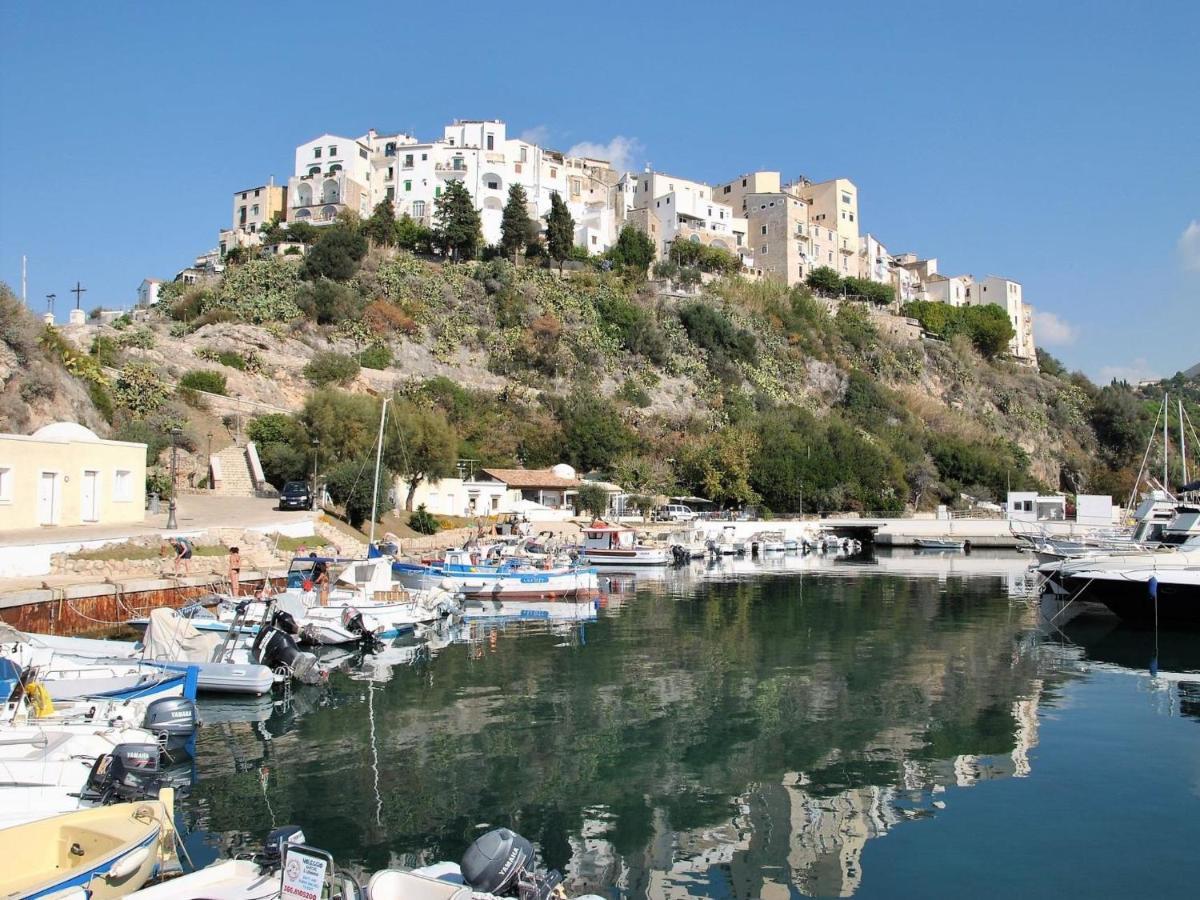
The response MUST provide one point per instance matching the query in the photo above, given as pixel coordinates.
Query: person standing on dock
(183, 551)
(235, 570)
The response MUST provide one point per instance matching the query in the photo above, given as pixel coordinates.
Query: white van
(675, 512)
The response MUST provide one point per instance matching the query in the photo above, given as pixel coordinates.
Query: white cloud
(538, 134)
(1134, 372)
(1189, 247)
(624, 154)
(1052, 330)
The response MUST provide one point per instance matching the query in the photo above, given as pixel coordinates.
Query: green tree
(411, 235)
(592, 499)
(560, 231)
(593, 433)
(457, 226)
(421, 445)
(423, 521)
(717, 466)
(336, 253)
(517, 230)
(329, 302)
(381, 226)
(349, 484)
(346, 424)
(641, 474)
(634, 250)
(824, 280)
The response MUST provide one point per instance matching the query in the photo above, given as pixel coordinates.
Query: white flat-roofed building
(682, 210)
(1008, 295)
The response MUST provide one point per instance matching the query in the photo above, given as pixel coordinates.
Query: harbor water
(896, 726)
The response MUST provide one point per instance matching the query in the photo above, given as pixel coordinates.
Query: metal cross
(50, 298)
(78, 291)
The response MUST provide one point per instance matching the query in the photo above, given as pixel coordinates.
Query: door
(47, 497)
(89, 507)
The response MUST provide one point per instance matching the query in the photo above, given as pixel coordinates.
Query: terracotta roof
(531, 478)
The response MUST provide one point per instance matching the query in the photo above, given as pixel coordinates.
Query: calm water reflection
(749, 731)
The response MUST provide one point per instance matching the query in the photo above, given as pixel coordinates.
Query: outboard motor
(275, 647)
(129, 773)
(352, 621)
(680, 555)
(272, 854)
(499, 862)
(173, 720)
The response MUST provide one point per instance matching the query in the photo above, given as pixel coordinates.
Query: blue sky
(1055, 143)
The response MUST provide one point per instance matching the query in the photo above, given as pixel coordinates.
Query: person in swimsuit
(235, 569)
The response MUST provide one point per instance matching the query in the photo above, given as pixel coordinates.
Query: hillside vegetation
(737, 391)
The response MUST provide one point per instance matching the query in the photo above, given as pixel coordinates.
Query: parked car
(675, 512)
(296, 495)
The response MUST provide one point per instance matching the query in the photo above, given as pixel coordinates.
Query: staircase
(235, 480)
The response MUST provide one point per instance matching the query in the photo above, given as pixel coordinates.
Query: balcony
(445, 171)
(847, 251)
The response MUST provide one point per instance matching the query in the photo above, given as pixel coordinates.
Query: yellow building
(833, 206)
(63, 474)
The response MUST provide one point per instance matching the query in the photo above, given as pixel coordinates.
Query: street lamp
(210, 484)
(176, 431)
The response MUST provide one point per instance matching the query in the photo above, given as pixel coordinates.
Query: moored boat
(95, 853)
(605, 544)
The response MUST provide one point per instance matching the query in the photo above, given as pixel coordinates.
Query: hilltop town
(782, 232)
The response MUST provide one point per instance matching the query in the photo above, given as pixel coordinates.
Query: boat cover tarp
(170, 636)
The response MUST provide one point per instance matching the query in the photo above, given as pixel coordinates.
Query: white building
(545, 494)
(668, 209)
(335, 172)
(952, 289)
(147, 292)
(1007, 294)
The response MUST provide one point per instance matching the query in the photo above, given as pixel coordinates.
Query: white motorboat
(942, 543)
(605, 544)
(468, 571)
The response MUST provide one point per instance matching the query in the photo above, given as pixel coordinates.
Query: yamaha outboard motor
(680, 555)
(352, 621)
(498, 863)
(275, 647)
(130, 772)
(173, 720)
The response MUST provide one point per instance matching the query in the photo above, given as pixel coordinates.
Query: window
(517, 168)
(407, 185)
(362, 152)
(763, 249)
(553, 172)
(847, 199)
(743, 182)
(254, 210)
(408, 160)
(593, 240)
(333, 149)
(122, 485)
(243, 195)
(437, 191)
(763, 230)
(391, 172)
(491, 142)
(314, 170)
(316, 152)
(6, 484)
(424, 156)
(391, 193)
(418, 208)
(257, 191)
(390, 149)
(851, 217)
(241, 215)
(524, 153)
(492, 184)
(728, 188)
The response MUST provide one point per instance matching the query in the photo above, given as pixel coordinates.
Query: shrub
(141, 338)
(106, 351)
(329, 368)
(329, 303)
(37, 387)
(633, 391)
(335, 254)
(423, 521)
(710, 329)
(139, 389)
(987, 327)
(206, 380)
(592, 499)
(382, 317)
(102, 400)
(692, 254)
(262, 290)
(377, 356)
(824, 280)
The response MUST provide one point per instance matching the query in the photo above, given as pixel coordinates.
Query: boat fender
(127, 865)
(39, 699)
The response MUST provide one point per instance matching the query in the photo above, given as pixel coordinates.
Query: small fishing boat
(464, 571)
(97, 853)
(942, 543)
(605, 544)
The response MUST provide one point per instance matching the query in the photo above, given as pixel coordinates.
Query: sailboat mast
(1166, 440)
(378, 457)
(1182, 443)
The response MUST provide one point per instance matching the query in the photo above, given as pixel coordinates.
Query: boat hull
(1129, 599)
